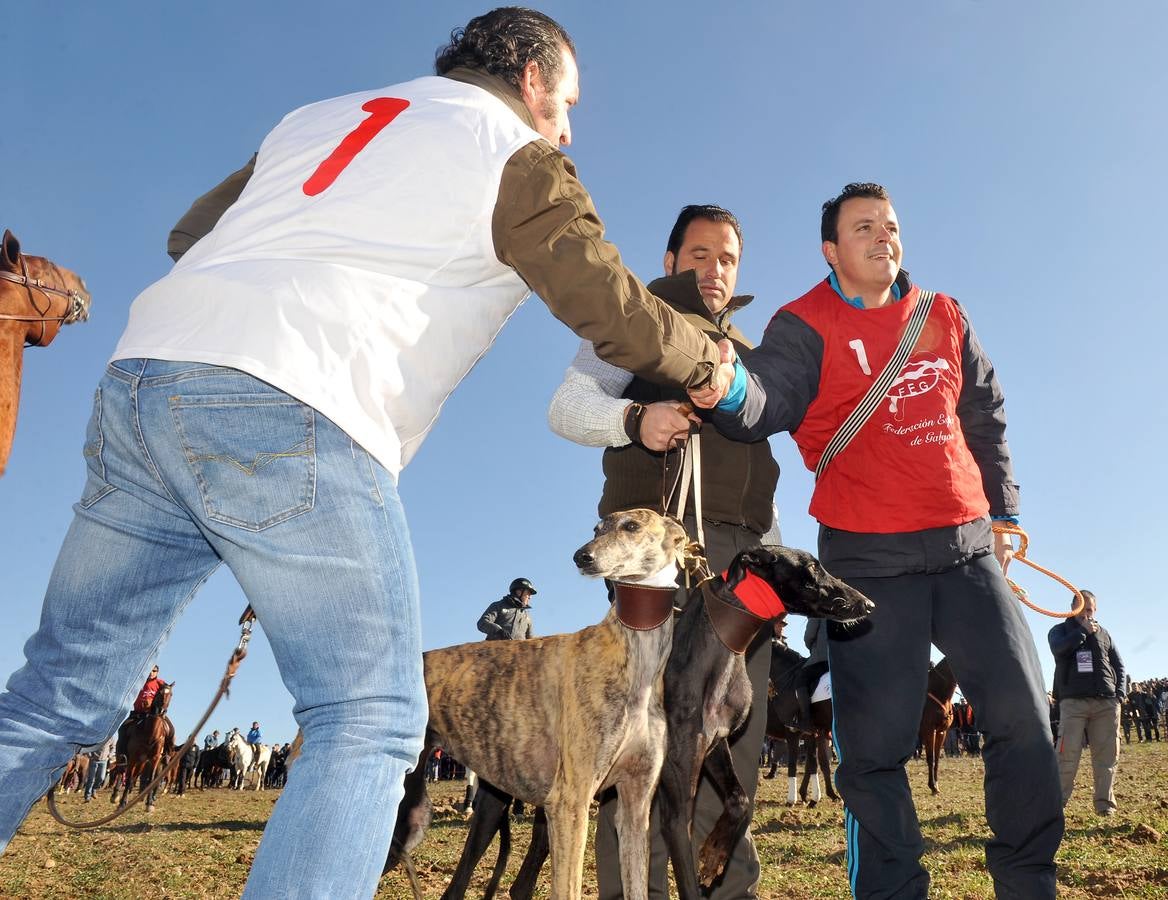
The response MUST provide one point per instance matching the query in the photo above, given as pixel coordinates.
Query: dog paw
(711, 862)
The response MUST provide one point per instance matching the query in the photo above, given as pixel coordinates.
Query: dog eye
(631, 526)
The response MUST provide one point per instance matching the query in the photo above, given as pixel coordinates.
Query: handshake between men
(715, 389)
(664, 425)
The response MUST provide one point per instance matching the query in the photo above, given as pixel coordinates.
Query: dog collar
(643, 608)
(735, 626)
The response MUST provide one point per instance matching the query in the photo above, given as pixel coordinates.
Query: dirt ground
(200, 846)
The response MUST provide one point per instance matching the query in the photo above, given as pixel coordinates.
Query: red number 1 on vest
(382, 111)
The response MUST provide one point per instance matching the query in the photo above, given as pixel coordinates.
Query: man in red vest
(141, 710)
(146, 696)
(905, 510)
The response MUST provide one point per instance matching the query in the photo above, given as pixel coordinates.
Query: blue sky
(1022, 144)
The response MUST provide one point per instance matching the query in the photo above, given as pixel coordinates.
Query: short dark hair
(1087, 595)
(706, 211)
(829, 224)
(503, 41)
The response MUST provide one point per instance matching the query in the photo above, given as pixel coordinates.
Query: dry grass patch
(201, 846)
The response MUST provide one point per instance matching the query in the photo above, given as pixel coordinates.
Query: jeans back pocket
(253, 456)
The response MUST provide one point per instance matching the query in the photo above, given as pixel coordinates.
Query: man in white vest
(267, 393)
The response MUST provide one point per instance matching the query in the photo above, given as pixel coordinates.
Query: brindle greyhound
(554, 720)
(708, 695)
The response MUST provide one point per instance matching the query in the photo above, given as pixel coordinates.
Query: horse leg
(811, 772)
(824, 752)
(792, 766)
(938, 743)
(931, 761)
(148, 776)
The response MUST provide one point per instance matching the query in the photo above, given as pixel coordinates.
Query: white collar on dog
(667, 577)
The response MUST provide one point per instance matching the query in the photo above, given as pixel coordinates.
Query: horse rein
(237, 655)
(78, 309)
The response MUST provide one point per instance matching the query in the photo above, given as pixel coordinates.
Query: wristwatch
(634, 412)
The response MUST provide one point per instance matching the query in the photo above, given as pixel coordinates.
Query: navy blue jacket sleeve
(1066, 637)
(782, 380)
(981, 408)
(1117, 667)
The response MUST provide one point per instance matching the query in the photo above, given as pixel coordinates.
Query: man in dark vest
(640, 423)
(1089, 686)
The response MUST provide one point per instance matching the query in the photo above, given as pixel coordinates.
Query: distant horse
(782, 708)
(37, 297)
(142, 743)
(75, 772)
(211, 766)
(244, 761)
(937, 716)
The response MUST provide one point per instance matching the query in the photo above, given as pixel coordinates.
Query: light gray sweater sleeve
(587, 408)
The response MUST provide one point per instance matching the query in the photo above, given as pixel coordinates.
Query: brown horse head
(37, 297)
(162, 699)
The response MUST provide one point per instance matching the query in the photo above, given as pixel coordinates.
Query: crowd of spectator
(1143, 709)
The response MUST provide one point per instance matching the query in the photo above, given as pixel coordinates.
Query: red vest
(146, 695)
(909, 467)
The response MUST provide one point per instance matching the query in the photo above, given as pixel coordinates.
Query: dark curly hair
(706, 211)
(504, 41)
(829, 224)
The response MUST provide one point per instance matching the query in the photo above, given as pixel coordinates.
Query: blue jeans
(190, 465)
(95, 778)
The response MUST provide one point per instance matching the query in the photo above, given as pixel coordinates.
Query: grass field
(201, 845)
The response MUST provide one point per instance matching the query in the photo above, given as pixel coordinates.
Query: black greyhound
(707, 698)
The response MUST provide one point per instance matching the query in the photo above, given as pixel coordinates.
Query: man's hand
(665, 425)
(707, 397)
(1003, 549)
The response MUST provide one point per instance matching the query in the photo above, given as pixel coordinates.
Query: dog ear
(756, 560)
(676, 540)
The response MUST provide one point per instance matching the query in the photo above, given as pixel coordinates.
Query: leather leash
(245, 622)
(690, 470)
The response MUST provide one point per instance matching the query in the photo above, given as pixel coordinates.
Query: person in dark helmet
(509, 618)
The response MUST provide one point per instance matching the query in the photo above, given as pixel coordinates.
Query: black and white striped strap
(853, 423)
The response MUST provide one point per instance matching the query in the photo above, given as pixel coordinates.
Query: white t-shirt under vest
(357, 271)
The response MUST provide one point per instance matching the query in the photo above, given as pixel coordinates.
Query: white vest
(367, 290)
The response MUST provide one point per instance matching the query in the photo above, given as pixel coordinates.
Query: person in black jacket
(1147, 705)
(509, 619)
(1089, 686)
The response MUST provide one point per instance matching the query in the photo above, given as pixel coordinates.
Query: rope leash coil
(245, 621)
(1020, 555)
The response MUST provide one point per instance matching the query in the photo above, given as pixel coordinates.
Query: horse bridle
(78, 309)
